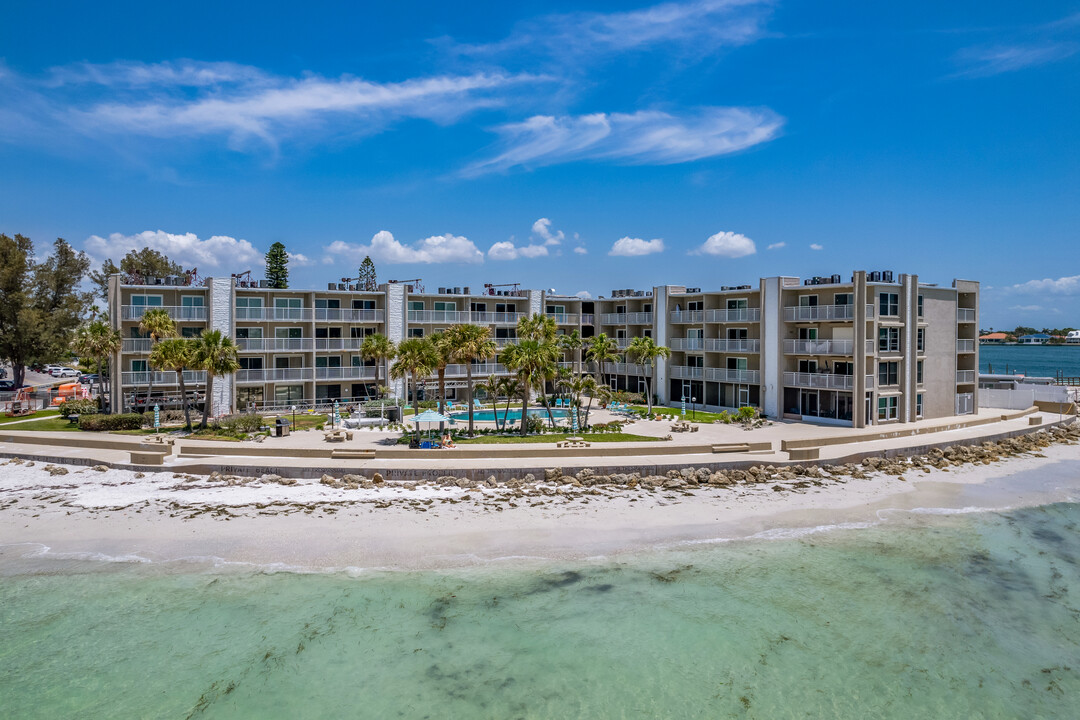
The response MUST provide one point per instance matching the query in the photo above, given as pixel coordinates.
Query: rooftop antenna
(417, 285)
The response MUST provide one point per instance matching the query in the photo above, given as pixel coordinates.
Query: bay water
(1033, 360)
(934, 615)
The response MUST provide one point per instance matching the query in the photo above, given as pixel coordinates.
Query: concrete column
(858, 399)
(909, 312)
(660, 336)
(222, 292)
(116, 388)
(772, 339)
(396, 326)
(536, 302)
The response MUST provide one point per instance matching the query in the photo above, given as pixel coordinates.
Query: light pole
(294, 416)
(693, 408)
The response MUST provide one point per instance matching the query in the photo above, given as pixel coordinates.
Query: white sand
(115, 515)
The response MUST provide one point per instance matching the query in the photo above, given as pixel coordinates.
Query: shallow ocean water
(969, 615)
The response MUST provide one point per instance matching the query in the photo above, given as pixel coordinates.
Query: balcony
(495, 318)
(634, 318)
(274, 344)
(688, 316)
(274, 314)
(965, 377)
(965, 346)
(733, 315)
(733, 375)
(137, 345)
(687, 344)
(479, 370)
(348, 315)
(819, 313)
(351, 372)
(965, 315)
(733, 345)
(350, 343)
(564, 318)
(183, 313)
(276, 375)
(622, 343)
(503, 342)
(826, 381)
(191, 377)
(687, 372)
(588, 319)
(819, 347)
(440, 317)
(627, 369)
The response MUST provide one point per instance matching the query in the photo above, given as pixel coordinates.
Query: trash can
(281, 427)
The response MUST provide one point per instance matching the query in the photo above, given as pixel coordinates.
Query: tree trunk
(101, 385)
(150, 385)
(525, 406)
(495, 407)
(18, 374)
(442, 398)
(206, 402)
(468, 382)
(506, 412)
(183, 399)
(648, 393)
(544, 399)
(588, 409)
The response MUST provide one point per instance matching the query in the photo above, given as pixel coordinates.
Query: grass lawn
(38, 414)
(555, 437)
(52, 424)
(699, 416)
(303, 421)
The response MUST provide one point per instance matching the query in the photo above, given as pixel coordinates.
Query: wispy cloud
(776, 246)
(634, 247)
(1027, 308)
(178, 73)
(726, 244)
(507, 250)
(186, 249)
(698, 27)
(984, 61)
(815, 246)
(641, 138)
(542, 230)
(446, 248)
(1069, 285)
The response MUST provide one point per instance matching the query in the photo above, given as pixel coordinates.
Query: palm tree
(158, 325)
(572, 343)
(176, 354)
(602, 349)
(215, 353)
(381, 349)
(416, 357)
(543, 329)
(470, 343)
(582, 385)
(491, 386)
(647, 351)
(530, 359)
(97, 340)
(508, 387)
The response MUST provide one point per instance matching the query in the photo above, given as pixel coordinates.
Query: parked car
(88, 378)
(7, 386)
(68, 372)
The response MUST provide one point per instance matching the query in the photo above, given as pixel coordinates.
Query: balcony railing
(350, 372)
(479, 370)
(459, 317)
(965, 315)
(688, 316)
(965, 346)
(965, 376)
(733, 345)
(137, 345)
(733, 375)
(630, 318)
(168, 377)
(623, 343)
(183, 313)
(276, 375)
(274, 314)
(503, 342)
(496, 318)
(687, 372)
(817, 313)
(819, 347)
(588, 319)
(349, 343)
(274, 344)
(828, 381)
(687, 344)
(733, 315)
(627, 369)
(870, 345)
(564, 318)
(348, 315)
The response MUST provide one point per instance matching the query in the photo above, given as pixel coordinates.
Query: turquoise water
(514, 415)
(972, 616)
(1038, 360)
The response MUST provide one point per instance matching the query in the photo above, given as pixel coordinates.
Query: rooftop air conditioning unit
(743, 287)
(341, 286)
(875, 276)
(264, 283)
(457, 291)
(835, 279)
(353, 287)
(331, 286)
(442, 291)
(887, 276)
(467, 290)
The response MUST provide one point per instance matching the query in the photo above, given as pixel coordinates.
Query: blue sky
(580, 146)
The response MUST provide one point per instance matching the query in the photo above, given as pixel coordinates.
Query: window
(249, 302)
(736, 363)
(249, 333)
(808, 366)
(287, 308)
(888, 304)
(918, 372)
(190, 332)
(288, 394)
(325, 361)
(887, 408)
(416, 305)
(138, 366)
(191, 307)
(556, 310)
(247, 396)
(808, 301)
(445, 306)
(288, 333)
(416, 332)
(508, 307)
(696, 361)
(146, 300)
(361, 332)
(249, 308)
(737, 304)
(844, 368)
(888, 373)
(918, 405)
(920, 339)
(920, 306)
(250, 363)
(842, 299)
(646, 307)
(808, 333)
(889, 339)
(363, 304)
(329, 303)
(695, 306)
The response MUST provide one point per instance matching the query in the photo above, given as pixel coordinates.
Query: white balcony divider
(869, 382)
(734, 315)
(183, 313)
(870, 345)
(732, 375)
(965, 403)
(688, 316)
(828, 381)
(965, 315)
(816, 313)
(734, 345)
(870, 310)
(965, 346)
(965, 376)
(819, 347)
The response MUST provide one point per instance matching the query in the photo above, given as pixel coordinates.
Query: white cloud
(815, 246)
(1027, 308)
(984, 61)
(1061, 286)
(633, 247)
(187, 249)
(727, 244)
(583, 294)
(506, 250)
(641, 138)
(436, 249)
(298, 259)
(179, 73)
(542, 229)
(581, 250)
(776, 246)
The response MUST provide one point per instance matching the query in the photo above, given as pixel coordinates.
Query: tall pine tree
(277, 266)
(367, 280)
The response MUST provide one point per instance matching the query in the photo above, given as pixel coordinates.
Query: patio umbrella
(430, 416)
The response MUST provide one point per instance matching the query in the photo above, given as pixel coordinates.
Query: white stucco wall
(221, 318)
(395, 329)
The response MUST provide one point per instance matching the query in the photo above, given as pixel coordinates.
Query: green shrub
(100, 423)
(78, 407)
(167, 417)
(239, 424)
(725, 417)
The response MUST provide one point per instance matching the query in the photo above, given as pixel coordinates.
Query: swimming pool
(514, 415)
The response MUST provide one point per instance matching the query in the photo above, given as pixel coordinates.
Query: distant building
(1073, 338)
(994, 338)
(1034, 339)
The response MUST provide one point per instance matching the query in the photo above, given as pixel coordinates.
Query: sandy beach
(120, 515)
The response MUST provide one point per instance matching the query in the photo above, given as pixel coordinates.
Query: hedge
(97, 423)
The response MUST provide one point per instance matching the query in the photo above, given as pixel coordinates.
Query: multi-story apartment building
(863, 352)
